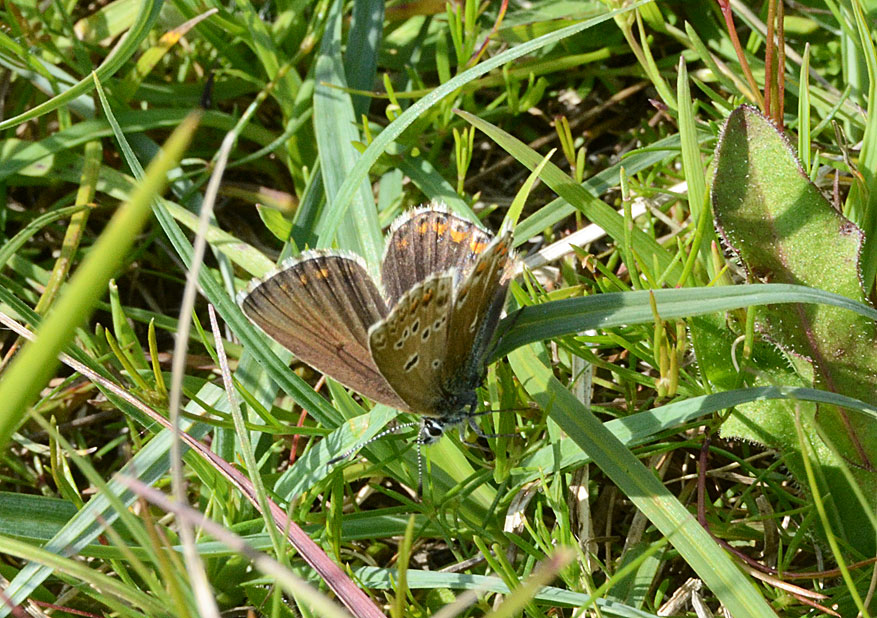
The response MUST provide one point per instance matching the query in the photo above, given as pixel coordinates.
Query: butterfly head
(431, 430)
(455, 409)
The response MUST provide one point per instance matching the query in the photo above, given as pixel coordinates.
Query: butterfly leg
(477, 429)
(470, 421)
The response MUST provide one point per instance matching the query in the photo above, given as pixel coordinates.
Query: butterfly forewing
(320, 307)
(409, 346)
(426, 242)
(478, 304)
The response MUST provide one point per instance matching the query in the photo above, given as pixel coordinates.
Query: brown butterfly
(416, 341)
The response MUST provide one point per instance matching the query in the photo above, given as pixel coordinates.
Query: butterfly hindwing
(320, 306)
(428, 241)
(478, 303)
(409, 346)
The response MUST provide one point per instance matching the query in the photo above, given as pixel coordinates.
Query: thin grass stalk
(728, 14)
(770, 69)
(781, 65)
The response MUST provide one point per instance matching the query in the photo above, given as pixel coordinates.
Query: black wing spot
(425, 335)
(412, 362)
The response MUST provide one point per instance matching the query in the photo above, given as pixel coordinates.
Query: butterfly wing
(320, 307)
(408, 346)
(478, 303)
(427, 241)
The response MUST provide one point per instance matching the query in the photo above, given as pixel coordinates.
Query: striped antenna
(431, 431)
(377, 436)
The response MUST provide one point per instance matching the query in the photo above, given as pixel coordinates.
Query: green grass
(622, 367)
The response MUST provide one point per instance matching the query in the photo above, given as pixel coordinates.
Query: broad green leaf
(785, 231)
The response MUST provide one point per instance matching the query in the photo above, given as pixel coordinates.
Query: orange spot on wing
(440, 228)
(324, 273)
(477, 247)
(303, 278)
(458, 235)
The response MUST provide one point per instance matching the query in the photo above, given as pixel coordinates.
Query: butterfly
(418, 339)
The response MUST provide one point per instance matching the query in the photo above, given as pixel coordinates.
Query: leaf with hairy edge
(785, 231)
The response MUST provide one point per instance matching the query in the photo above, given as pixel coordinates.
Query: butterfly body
(417, 340)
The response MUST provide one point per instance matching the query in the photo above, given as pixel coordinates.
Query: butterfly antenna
(377, 436)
